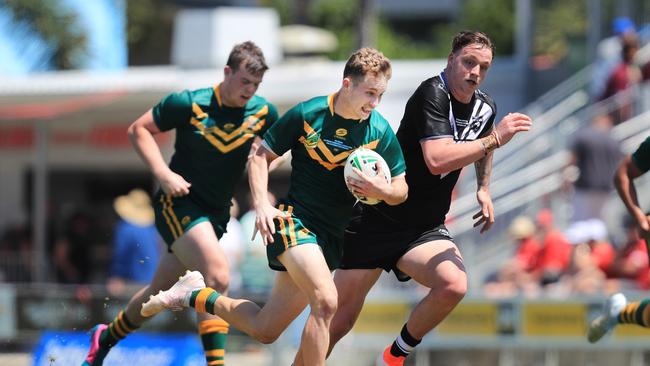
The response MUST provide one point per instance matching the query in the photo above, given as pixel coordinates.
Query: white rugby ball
(365, 160)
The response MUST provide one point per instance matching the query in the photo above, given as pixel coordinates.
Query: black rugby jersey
(430, 113)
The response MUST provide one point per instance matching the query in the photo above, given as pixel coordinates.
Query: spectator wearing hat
(515, 276)
(522, 230)
(608, 54)
(136, 244)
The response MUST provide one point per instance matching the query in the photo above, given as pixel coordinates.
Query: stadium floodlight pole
(367, 26)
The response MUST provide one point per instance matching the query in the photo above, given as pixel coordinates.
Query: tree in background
(38, 23)
(149, 31)
(410, 40)
(560, 32)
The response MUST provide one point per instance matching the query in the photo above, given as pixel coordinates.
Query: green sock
(203, 300)
(636, 313)
(119, 328)
(214, 333)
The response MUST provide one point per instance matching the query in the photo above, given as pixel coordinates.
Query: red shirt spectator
(527, 253)
(603, 254)
(555, 253)
(522, 230)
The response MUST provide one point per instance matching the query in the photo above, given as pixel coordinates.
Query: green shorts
(293, 231)
(177, 215)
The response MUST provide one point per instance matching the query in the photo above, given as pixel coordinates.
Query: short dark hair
(367, 60)
(465, 38)
(249, 56)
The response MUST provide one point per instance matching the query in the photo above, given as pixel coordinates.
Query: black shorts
(368, 248)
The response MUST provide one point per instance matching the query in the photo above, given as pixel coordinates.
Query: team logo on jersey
(319, 151)
(477, 123)
(231, 136)
(311, 140)
(341, 132)
(186, 220)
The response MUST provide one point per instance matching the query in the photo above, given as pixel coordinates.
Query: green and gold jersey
(320, 142)
(212, 140)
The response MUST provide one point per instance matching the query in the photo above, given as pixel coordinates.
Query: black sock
(404, 343)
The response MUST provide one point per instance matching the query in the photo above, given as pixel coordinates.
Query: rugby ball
(365, 160)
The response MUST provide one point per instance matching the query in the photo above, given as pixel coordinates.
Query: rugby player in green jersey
(304, 236)
(616, 309)
(448, 123)
(217, 131)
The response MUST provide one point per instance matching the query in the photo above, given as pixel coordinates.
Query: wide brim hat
(135, 207)
(522, 227)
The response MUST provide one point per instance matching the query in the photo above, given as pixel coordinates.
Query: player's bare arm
(624, 181)
(141, 134)
(274, 164)
(485, 216)
(444, 155)
(258, 178)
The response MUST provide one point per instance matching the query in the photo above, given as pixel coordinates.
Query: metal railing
(529, 176)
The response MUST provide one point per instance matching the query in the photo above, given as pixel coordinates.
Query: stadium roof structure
(133, 90)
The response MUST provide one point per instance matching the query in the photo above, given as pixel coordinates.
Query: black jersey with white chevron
(432, 113)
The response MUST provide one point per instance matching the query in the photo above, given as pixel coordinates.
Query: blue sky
(104, 22)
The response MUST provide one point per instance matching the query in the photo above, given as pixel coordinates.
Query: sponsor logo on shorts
(444, 232)
(186, 220)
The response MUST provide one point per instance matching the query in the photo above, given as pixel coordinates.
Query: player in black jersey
(448, 123)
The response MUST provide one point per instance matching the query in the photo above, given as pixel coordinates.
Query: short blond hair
(367, 61)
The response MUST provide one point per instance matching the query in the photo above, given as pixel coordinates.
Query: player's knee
(455, 288)
(325, 306)
(218, 280)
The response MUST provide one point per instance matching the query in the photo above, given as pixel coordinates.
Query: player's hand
(485, 216)
(371, 187)
(174, 185)
(264, 222)
(511, 124)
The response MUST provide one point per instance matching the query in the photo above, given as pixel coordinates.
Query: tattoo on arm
(483, 170)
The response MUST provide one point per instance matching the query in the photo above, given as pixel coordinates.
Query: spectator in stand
(591, 257)
(609, 55)
(71, 252)
(624, 76)
(136, 244)
(602, 251)
(555, 253)
(583, 275)
(595, 155)
(515, 275)
(522, 230)
(16, 254)
(631, 261)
